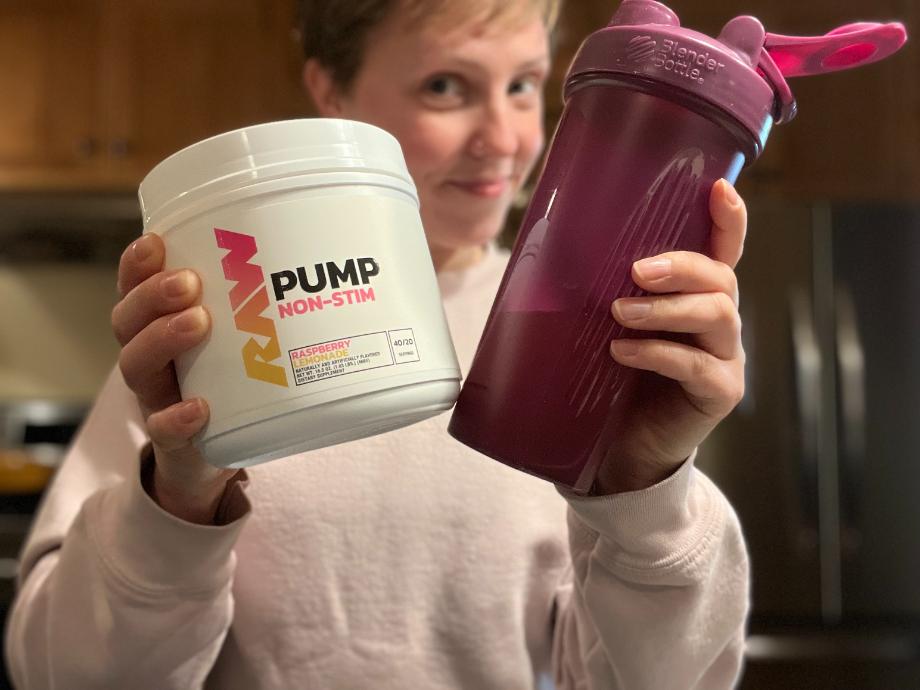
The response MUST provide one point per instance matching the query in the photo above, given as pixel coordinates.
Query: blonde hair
(501, 13)
(335, 32)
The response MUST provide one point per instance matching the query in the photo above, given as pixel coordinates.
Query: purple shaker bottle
(654, 115)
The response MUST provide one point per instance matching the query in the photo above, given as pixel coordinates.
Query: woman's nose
(495, 136)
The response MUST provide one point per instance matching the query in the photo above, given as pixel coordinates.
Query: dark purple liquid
(557, 370)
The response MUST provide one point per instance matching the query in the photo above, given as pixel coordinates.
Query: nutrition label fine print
(353, 354)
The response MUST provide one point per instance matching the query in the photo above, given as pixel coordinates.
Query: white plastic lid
(269, 151)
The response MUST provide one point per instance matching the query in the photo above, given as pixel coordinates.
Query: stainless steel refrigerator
(822, 458)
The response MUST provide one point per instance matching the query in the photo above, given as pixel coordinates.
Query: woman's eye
(445, 90)
(525, 85)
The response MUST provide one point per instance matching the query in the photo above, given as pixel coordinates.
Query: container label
(350, 355)
(310, 292)
(319, 287)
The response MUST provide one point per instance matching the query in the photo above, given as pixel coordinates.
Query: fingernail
(177, 285)
(188, 412)
(731, 195)
(142, 248)
(653, 269)
(625, 348)
(631, 311)
(188, 321)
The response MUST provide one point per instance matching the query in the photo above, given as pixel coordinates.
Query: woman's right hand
(157, 319)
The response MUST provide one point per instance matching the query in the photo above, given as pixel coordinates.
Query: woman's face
(467, 107)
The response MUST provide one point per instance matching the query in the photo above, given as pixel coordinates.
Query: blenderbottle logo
(249, 301)
(641, 48)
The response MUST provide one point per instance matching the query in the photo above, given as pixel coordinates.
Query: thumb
(729, 223)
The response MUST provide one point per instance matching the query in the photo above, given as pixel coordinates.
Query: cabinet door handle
(119, 148)
(851, 364)
(808, 370)
(87, 147)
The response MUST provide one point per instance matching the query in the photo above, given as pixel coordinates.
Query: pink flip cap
(845, 47)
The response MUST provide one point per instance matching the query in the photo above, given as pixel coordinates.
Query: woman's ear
(322, 89)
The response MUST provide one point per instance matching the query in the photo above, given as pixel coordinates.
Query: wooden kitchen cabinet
(857, 135)
(95, 92)
(50, 98)
(104, 89)
(189, 70)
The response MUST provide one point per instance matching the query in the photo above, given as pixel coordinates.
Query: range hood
(81, 227)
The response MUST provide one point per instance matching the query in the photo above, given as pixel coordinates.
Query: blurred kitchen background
(820, 459)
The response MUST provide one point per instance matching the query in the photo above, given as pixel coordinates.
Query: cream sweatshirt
(406, 560)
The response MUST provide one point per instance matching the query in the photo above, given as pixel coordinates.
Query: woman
(406, 560)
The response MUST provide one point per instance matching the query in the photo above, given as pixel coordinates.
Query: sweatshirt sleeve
(113, 591)
(659, 594)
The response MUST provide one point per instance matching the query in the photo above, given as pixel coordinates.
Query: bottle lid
(742, 72)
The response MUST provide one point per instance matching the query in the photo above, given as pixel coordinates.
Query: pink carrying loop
(847, 46)
(785, 107)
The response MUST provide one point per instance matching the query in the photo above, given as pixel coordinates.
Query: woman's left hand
(700, 382)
